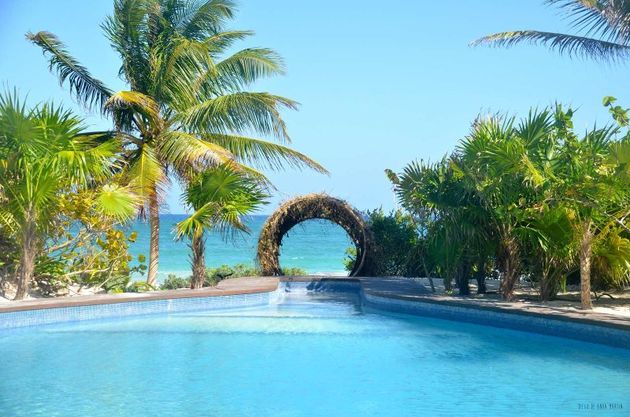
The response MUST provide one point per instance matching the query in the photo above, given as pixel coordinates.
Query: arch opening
(309, 207)
(317, 246)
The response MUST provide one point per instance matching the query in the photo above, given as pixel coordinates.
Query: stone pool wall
(375, 296)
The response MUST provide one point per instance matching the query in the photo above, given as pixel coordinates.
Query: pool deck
(393, 288)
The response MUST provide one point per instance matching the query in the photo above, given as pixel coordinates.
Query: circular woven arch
(314, 206)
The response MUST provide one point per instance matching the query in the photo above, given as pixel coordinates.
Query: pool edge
(246, 292)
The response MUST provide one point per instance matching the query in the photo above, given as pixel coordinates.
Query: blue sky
(380, 83)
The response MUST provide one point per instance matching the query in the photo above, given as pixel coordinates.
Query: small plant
(139, 286)
(215, 275)
(173, 282)
(294, 272)
(116, 284)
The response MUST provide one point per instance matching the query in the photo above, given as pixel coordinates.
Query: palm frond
(87, 89)
(248, 65)
(123, 105)
(208, 19)
(193, 226)
(241, 112)
(145, 172)
(175, 68)
(20, 133)
(85, 161)
(184, 150)
(8, 221)
(571, 45)
(221, 41)
(263, 153)
(607, 20)
(127, 30)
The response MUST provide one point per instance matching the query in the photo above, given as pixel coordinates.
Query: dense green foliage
(600, 32)
(174, 282)
(54, 177)
(397, 243)
(530, 199)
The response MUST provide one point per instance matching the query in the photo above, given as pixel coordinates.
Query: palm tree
(188, 106)
(545, 199)
(602, 31)
(459, 233)
(44, 152)
(480, 195)
(550, 246)
(494, 162)
(219, 198)
(593, 182)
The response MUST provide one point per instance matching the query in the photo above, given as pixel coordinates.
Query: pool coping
(235, 286)
(405, 293)
(392, 288)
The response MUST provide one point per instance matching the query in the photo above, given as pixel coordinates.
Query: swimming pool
(308, 354)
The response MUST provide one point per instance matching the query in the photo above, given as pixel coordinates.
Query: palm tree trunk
(463, 274)
(480, 277)
(586, 252)
(550, 282)
(510, 269)
(27, 261)
(546, 288)
(154, 244)
(198, 262)
(426, 274)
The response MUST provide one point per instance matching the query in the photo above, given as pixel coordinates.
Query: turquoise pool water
(308, 355)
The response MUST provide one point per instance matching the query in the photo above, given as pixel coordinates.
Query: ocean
(317, 246)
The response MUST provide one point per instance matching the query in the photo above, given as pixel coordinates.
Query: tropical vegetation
(523, 200)
(188, 115)
(188, 106)
(219, 198)
(530, 199)
(397, 245)
(55, 175)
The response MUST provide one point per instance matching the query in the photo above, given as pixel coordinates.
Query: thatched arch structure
(308, 207)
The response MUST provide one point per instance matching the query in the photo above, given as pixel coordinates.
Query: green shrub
(214, 275)
(116, 284)
(173, 282)
(294, 272)
(397, 248)
(139, 286)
